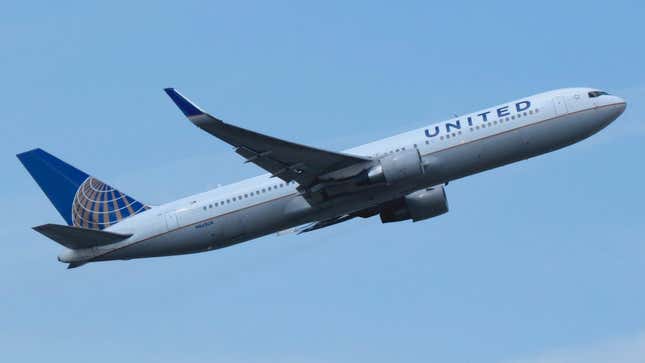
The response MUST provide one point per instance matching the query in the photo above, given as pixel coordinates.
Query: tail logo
(97, 205)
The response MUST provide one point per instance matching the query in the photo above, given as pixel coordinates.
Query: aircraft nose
(621, 105)
(616, 106)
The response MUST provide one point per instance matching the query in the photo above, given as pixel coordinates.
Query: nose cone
(621, 105)
(614, 106)
(618, 106)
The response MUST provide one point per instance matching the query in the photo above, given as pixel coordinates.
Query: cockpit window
(594, 94)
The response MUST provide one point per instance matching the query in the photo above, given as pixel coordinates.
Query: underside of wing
(324, 223)
(363, 213)
(286, 160)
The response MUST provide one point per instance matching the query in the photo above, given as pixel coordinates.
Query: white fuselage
(449, 150)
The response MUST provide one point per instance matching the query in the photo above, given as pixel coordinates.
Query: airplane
(399, 178)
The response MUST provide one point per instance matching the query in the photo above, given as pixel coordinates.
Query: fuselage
(449, 150)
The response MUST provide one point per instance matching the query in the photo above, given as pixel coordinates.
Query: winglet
(188, 108)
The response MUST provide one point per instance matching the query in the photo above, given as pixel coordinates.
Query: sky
(541, 261)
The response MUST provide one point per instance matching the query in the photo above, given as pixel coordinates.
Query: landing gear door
(560, 105)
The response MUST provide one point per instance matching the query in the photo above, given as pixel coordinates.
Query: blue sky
(537, 262)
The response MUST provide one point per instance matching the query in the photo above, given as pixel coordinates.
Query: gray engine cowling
(417, 206)
(395, 167)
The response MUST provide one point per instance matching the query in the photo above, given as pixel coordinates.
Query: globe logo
(97, 205)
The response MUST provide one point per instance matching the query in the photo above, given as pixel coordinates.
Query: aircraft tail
(82, 200)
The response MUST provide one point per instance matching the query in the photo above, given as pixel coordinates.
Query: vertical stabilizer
(81, 199)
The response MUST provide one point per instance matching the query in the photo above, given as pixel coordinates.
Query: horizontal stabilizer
(79, 238)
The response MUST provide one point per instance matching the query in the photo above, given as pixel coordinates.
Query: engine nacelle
(395, 167)
(419, 205)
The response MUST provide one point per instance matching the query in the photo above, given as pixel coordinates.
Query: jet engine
(417, 206)
(395, 167)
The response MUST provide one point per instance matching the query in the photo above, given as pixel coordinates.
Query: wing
(286, 160)
(363, 213)
(324, 223)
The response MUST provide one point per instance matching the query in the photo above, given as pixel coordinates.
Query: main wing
(286, 160)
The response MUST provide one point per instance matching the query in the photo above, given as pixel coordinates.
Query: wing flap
(79, 238)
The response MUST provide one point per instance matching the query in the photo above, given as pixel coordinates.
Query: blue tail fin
(81, 199)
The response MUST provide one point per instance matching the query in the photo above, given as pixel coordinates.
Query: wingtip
(184, 104)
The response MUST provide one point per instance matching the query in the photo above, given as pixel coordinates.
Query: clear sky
(538, 262)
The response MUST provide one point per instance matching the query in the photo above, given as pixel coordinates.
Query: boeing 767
(398, 178)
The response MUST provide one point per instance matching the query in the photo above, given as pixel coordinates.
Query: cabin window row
(472, 128)
(246, 195)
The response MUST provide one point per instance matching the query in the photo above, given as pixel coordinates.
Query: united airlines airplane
(306, 188)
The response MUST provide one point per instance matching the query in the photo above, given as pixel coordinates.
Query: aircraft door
(171, 220)
(560, 105)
